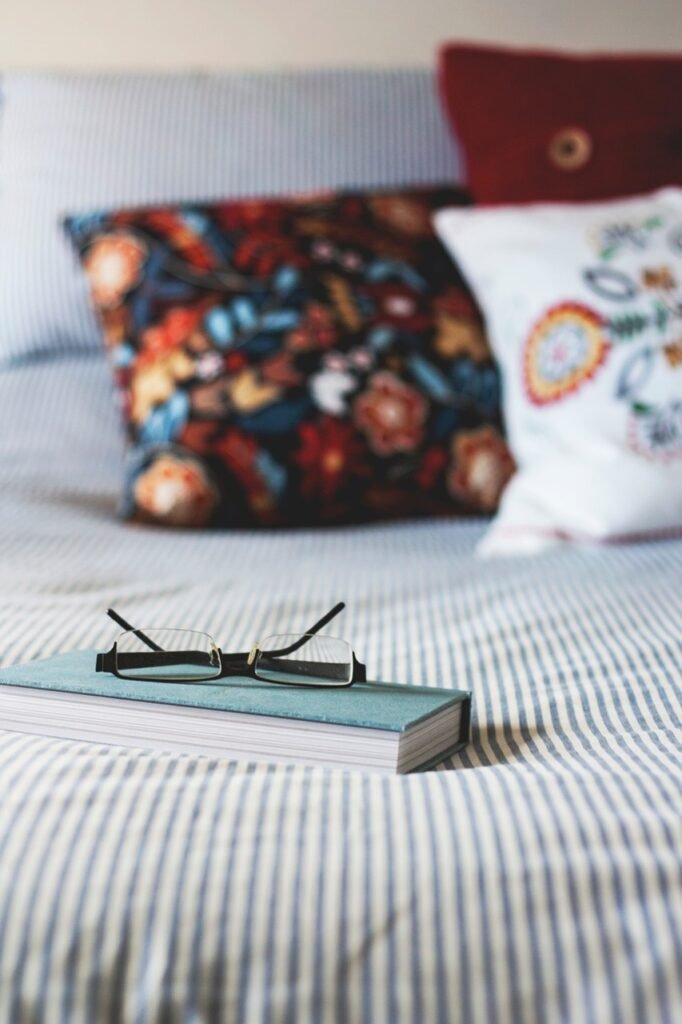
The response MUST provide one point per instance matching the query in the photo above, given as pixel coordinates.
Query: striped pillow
(70, 142)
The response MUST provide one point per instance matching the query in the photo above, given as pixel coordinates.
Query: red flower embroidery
(263, 252)
(330, 450)
(565, 349)
(392, 414)
(176, 328)
(175, 491)
(481, 467)
(399, 306)
(316, 331)
(113, 264)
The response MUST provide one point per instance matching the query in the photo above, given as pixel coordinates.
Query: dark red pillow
(545, 126)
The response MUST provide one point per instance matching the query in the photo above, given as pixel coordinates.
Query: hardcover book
(372, 726)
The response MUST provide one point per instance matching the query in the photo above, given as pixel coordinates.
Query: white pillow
(583, 304)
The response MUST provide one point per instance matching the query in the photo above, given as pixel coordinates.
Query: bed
(534, 878)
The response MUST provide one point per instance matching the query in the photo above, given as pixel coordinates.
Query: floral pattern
(639, 327)
(113, 265)
(174, 491)
(655, 431)
(565, 348)
(311, 360)
(391, 414)
(481, 465)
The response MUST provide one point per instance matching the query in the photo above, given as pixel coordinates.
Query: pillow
(546, 126)
(584, 308)
(286, 363)
(70, 142)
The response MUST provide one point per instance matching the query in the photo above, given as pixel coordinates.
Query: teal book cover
(374, 705)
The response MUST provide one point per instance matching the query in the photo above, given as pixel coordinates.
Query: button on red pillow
(540, 126)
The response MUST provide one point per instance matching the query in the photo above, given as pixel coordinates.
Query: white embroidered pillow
(583, 304)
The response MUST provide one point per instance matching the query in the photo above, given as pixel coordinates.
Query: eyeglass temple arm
(320, 624)
(138, 632)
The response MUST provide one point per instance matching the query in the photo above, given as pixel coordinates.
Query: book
(374, 726)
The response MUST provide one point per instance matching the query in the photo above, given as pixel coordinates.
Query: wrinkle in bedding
(537, 882)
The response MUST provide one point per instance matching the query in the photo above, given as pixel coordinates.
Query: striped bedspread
(536, 879)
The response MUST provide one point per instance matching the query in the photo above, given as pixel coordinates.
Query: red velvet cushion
(544, 126)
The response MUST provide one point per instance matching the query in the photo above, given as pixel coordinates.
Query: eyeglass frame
(233, 664)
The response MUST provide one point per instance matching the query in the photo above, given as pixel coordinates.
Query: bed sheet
(535, 878)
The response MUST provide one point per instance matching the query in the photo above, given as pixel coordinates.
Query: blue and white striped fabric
(71, 143)
(539, 882)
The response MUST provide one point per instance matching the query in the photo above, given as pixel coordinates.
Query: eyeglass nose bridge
(215, 653)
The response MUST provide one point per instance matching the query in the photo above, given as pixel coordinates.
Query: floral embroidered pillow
(584, 308)
(286, 363)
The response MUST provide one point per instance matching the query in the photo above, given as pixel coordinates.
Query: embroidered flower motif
(481, 467)
(659, 279)
(361, 358)
(330, 389)
(406, 215)
(656, 431)
(113, 264)
(565, 349)
(459, 327)
(344, 302)
(249, 394)
(176, 328)
(175, 491)
(209, 365)
(305, 359)
(351, 261)
(316, 331)
(154, 383)
(392, 414)
(673, 353)
(324, 251)
(399, 306)
(330, 451)
(460, 336)
(610, 239)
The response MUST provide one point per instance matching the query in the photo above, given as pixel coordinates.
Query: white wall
(285, 33)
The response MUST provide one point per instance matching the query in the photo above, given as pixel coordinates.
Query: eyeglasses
(186, 656)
